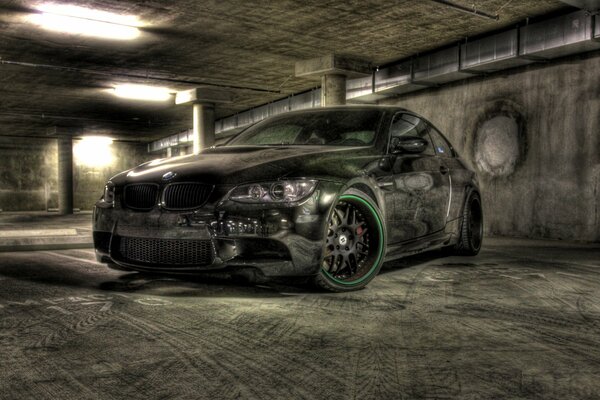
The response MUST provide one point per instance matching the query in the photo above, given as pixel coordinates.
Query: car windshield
(330, 128)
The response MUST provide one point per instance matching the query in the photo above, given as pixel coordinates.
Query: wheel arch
(368, 186)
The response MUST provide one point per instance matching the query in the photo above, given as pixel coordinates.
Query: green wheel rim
(379, 250)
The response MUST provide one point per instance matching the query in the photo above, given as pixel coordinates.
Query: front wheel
(354, 245)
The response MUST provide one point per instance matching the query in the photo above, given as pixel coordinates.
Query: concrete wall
(29, 169)
(541, 179)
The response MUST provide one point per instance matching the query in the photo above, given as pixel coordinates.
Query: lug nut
(337, 247)
(347, 248)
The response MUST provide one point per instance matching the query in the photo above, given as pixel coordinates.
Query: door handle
(444, 170)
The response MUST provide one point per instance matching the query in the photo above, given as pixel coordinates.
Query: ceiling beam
(469, 10)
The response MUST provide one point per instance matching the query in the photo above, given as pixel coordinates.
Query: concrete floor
(521, 320)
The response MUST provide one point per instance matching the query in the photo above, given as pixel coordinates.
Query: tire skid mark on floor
(557, 333)
(584, 303)
(80, 327)
(231, 341)
(376, 374)
(80, 389)
(26, 347)
(273, 328)
(568, 345)
(233, 335)
(427, 380)
(21, 338)
(522, 315)
(55, 372)
(180, 348)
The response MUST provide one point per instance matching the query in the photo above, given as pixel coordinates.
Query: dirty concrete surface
(521, 320)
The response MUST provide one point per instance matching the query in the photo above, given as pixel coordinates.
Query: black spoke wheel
(354, 244)
(471, 233)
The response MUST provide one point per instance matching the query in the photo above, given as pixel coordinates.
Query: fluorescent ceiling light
(86, 21)
(142, 92)
(94, 151)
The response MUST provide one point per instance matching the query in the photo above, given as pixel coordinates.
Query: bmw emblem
(169, 175)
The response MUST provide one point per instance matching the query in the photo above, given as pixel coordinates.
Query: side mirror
(408, 144)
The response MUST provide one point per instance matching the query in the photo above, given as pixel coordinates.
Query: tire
(471, 230)
(354, 245)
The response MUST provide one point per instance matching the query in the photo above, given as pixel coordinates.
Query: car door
(421, 184)
(457, 175)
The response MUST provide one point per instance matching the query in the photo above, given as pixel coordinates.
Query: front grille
(172, 252)
(182, 196)
(140, 196)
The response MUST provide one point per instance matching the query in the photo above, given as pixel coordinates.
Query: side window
(409, 125)
(442, 147)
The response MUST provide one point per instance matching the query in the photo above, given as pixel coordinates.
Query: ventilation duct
(279, 107)
(560, 36)
(443, 66)
(171, 141)
(396, 79)
(360, 90)
(303, 100)
(492, 53)
(260, 113)
(244, 118)
(228, 123)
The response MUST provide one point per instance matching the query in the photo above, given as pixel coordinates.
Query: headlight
(273, 192)
(109, 193)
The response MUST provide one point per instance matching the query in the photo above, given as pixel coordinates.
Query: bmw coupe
(328, 193)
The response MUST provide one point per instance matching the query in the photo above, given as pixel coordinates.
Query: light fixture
(142, 92)
(86, 21)
(94, 151)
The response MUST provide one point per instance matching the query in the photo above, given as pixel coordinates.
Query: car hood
(239, 164)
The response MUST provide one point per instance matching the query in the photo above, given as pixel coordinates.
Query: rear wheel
(354, 244)
(471, 232)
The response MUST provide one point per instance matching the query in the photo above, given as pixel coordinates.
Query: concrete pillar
(332, 70)
(65, 175)
(204, 126)
(169, 152)
(333, 90)
(203, 100)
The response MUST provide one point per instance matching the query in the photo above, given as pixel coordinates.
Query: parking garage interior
(90, 88)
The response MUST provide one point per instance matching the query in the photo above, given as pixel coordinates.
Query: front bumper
(279, 240)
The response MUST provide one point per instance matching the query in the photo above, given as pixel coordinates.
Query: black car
(329, 193)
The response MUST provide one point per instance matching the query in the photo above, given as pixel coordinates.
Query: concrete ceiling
(53, 79)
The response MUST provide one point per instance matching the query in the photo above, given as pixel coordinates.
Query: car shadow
(413, 261)
(203, 285)
(37, 274)
(52, 272)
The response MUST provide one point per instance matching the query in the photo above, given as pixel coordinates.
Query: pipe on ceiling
(133, 76)
(472, 11)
